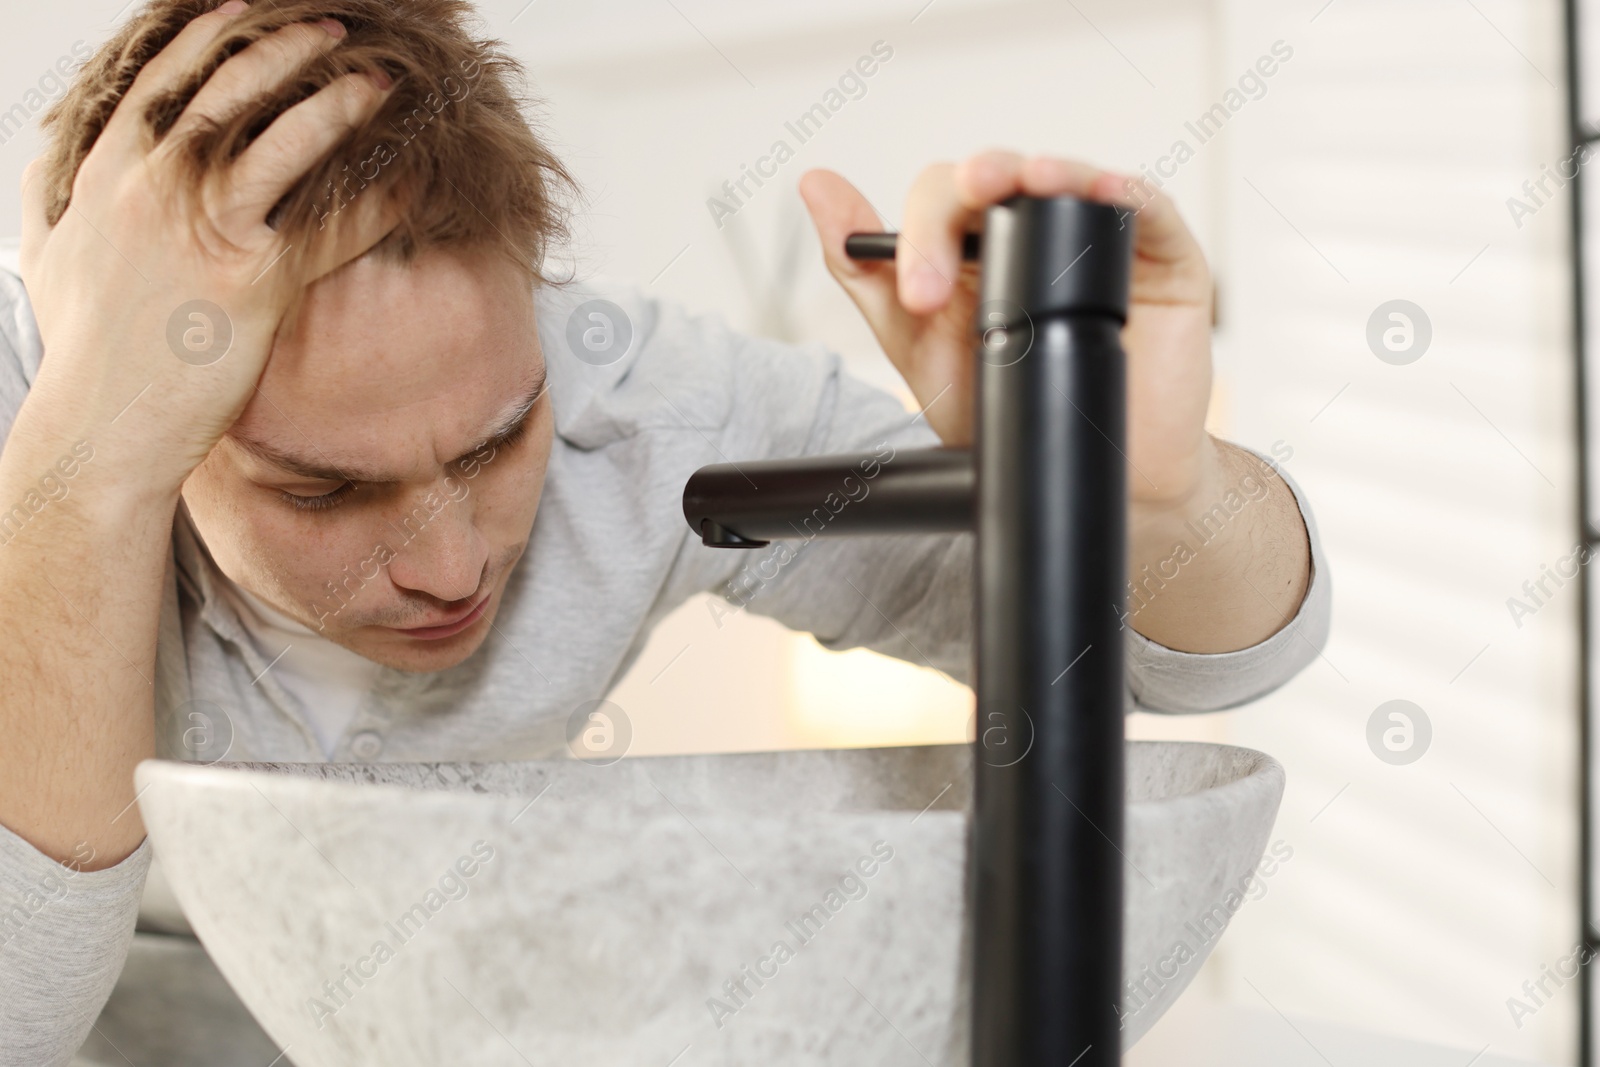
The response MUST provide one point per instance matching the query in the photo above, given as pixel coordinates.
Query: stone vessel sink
(774, 908)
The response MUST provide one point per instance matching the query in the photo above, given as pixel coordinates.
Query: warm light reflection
(859, 699)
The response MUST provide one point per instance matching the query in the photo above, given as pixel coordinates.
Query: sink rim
(1254, 768)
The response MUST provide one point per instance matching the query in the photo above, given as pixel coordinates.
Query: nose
(440, 551)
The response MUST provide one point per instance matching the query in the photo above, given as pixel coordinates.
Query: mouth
(462, 620)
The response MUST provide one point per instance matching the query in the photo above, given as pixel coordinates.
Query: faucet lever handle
(882, 246)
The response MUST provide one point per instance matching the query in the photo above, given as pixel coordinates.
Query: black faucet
(1044, 488)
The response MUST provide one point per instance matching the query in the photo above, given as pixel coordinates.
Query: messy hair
(452, 141)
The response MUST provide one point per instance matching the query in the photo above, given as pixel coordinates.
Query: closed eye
(321, 502)
(507, 439)
(325, 501)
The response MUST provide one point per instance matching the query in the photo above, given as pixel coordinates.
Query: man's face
(356, 493)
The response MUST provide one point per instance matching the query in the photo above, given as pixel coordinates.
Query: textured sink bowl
(786, 908)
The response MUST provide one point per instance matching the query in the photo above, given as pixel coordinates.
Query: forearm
(1225, 569)
(80, 588)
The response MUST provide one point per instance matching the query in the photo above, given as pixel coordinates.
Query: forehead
(398, 366)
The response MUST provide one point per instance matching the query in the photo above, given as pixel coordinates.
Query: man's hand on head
(143, 285)
(194, 233)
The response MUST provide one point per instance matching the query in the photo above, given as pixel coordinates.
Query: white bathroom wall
(1420, 896)
(1374, 166)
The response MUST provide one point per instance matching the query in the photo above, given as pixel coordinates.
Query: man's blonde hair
(451, 142)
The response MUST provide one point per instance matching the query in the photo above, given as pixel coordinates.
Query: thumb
(837, 210)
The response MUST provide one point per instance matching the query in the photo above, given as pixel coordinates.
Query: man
(287, 387)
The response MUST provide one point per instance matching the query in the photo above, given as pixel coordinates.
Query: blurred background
(1417, 152)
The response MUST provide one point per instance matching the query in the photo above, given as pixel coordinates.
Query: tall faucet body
(1045, 490)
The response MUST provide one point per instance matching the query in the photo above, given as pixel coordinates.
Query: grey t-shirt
(609, 556)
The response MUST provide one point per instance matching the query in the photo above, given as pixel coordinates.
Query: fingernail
(233, 7)
(334, 27)
(381, 80)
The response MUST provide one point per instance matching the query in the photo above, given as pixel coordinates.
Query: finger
(257, 71)
(1047, 176)
(837, 210)
(125, 129)
(357, 228)
(988, 178)
(353, 231)
(928, 258)
(295, 140)
(1159, 231)
(35, 227)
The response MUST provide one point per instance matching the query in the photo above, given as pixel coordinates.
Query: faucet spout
(748, 505)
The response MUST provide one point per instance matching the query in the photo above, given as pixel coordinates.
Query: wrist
(1226, 567)
(1229, 484)
(59, 449)
(1155, 525)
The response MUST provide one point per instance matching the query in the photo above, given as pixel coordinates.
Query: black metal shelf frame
(1580, 132)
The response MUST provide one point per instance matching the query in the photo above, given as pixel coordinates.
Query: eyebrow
(321, 468)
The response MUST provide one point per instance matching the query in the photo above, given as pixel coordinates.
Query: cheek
(300, 557)
(213, 502)
(258, 542)
(505, 494)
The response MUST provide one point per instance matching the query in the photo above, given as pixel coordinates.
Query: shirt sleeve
(1166, 680)
(64, 933)
(19, 350)
(911, 596)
